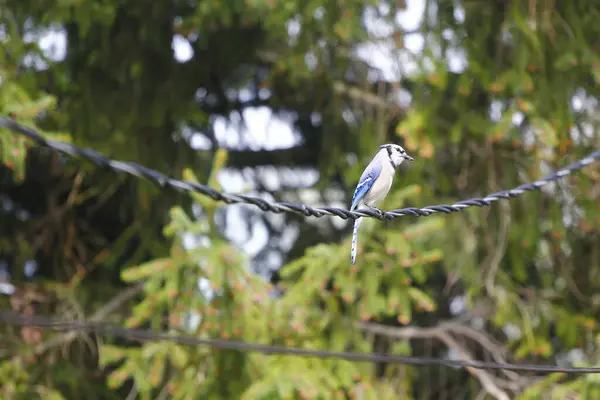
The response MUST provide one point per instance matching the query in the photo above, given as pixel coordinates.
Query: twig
(439, 332)
(98, 316)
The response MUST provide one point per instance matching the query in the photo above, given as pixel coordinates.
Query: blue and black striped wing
(365, 183)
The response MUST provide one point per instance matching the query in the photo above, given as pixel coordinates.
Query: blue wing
(365, 183)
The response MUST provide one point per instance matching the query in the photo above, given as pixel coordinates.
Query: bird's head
(396, 153)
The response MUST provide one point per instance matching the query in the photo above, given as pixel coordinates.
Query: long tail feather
(357, 223)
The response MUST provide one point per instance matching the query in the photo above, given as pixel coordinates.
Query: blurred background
(289, 100)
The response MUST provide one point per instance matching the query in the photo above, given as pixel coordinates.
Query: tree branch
(100, 315)
(441, 332)
(292, 157)
(486, 379)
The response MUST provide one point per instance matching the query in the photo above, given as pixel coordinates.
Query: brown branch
(100, 315)
(485, 378)
(299, 156)
(365, 96)
(341, 87)
(441, 332)
(495, 257)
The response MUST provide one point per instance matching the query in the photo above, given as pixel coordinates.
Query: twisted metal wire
(16, 319)
(279, 207)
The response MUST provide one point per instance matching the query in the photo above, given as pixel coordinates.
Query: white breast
(382, 185)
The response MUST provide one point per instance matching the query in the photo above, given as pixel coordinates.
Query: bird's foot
(378, 211)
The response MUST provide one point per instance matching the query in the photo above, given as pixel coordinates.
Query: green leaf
(547, 132)
(434, 255)
(423, 227)
(405, 310)
(178, 356)
(456, 133)
(285, 388)
(110, 354)
(398, 197)
(596, 74)
(120, 375)
(422, 299)
(52, 395)
(565, 61)
(409, 128)
(157, 368)
(534, 392)
(154, 267)
(401, 348)
(30, 109)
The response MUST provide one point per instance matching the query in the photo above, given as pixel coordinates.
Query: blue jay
(375, 183)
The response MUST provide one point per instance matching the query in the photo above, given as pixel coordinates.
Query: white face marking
(396, 153)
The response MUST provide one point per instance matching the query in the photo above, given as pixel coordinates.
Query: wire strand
(142, 335)
(279, 207)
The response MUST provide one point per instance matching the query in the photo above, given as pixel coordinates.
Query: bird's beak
(409, 158)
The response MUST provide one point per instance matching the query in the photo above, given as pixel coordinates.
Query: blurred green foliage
(514, 282)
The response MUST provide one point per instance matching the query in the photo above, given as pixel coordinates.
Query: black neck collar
(389, 151)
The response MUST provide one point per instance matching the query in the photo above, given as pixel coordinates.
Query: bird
(375, 183)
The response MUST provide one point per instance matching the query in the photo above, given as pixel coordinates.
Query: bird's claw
(378, 211)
